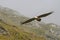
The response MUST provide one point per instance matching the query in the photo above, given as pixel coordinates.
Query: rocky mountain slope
(9, 32)
(10, 22)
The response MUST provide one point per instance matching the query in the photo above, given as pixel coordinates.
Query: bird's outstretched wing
(44, 15)
(28, 20)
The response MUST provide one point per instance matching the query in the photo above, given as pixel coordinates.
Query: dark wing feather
(28, 20)
(44, 15)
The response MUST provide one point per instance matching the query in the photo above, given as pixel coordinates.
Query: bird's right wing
(44, 15)
(28, 20)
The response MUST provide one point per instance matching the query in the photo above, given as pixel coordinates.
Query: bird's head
(36, 17)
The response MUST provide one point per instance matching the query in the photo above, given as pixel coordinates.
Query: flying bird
(38, 18)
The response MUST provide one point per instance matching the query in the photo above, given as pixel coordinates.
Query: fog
(31, 8)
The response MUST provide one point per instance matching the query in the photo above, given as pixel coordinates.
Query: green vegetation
(11, 28)
(17, 33)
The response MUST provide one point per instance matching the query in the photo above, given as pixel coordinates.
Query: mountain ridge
(11, 18)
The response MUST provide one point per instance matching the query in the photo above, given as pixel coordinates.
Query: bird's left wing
(44, 15)
(28, 20)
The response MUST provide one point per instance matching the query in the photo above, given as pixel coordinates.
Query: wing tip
(51, 12)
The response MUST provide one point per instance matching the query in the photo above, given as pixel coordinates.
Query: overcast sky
(31, 8)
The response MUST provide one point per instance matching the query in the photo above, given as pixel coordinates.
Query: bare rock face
(12, 29)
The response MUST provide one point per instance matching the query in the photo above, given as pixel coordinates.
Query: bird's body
(38, 18)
